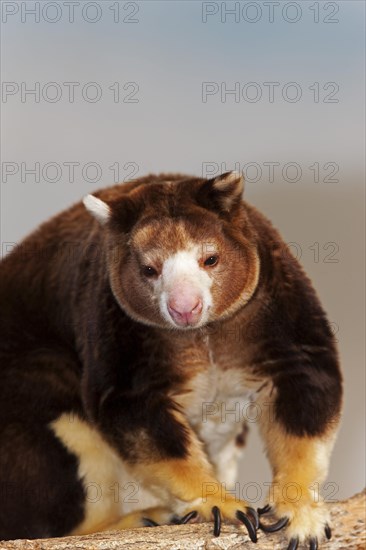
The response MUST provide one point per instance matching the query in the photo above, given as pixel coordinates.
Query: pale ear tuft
(97, 208)
(230, 181)
(230, 186)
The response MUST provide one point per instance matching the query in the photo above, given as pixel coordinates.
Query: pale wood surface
(348, 519)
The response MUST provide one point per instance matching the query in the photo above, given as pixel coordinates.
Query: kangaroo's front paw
(226, 508)
(306, 523)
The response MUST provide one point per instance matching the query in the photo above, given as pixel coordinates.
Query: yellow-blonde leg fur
(299, 465)
(157, 514)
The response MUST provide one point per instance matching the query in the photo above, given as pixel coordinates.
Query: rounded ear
(222, 193)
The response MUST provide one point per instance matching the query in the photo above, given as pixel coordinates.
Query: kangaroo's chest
(217, 397)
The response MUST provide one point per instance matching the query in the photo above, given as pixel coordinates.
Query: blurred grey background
(99, 92)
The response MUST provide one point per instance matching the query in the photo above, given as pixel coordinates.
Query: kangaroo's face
(179, 253)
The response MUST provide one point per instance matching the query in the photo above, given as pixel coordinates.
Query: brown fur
(82, 334)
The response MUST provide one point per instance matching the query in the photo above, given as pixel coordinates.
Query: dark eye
(211, 261)
(149, 271)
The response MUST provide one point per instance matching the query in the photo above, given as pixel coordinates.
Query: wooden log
(348, 521)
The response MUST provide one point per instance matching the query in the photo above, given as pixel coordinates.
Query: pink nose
(185, 310)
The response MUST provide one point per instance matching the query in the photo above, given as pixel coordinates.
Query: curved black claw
(175, 520)
(275, 527)
(149, 522)
(189, 516)
(328, 532)
(217, 520)
(253, 513)
(294, 543)
(264, 510)
(313, 544)
(248, 524)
